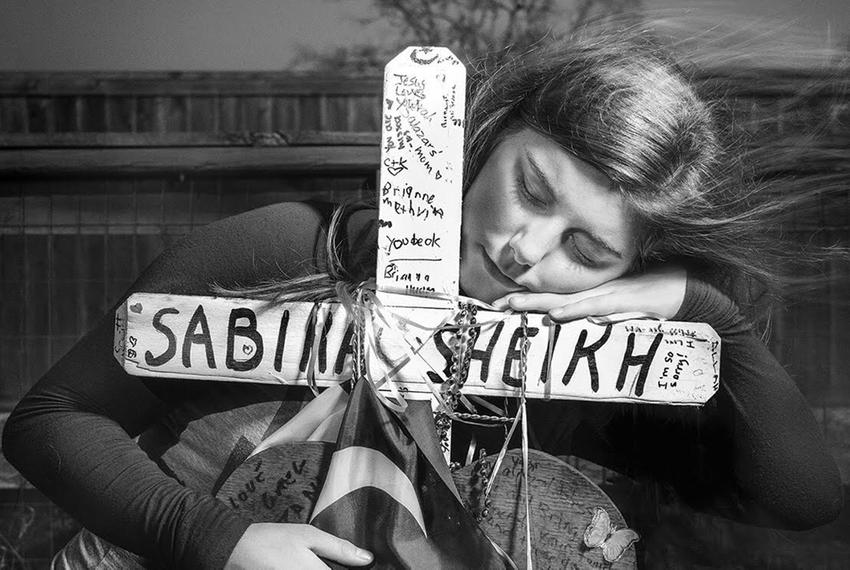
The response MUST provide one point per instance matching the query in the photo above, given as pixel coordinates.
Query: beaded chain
(465, 335)
(479, 500)
(523, 349)
(359, 337)
(492, 421)
(464, 340)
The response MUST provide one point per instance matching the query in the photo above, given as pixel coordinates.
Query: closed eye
(525, 193)
(580, 255)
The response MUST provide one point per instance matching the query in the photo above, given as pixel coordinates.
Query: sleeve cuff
(214, 542)
(704, 303)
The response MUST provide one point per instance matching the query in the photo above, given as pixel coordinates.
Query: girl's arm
(754, 452)
(782, 471)
(71, 435)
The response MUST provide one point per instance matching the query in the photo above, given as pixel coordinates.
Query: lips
(496, 272)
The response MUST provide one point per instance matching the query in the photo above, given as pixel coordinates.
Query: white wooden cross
(421, 179)
(211, 338)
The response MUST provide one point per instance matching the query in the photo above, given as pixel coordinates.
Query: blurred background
(126, 124)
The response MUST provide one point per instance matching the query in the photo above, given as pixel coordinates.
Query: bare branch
(473, 29)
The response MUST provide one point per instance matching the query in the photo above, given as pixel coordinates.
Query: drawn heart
(395, 166)
(136, 308)
(247, 349)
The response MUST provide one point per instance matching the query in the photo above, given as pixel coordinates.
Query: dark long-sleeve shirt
(753, 453)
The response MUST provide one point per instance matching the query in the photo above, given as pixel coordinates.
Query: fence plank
(129, 161)
(309, 114)
(366, 113)
(256, 114)
(228, 114)
(39, 114)
(121, 112)
(175, 113)
(94, 114)
(12, 114)
(286, 114)
(337, 114)
(202, 115)
(213, 83)
(194, 138)
(145, 115)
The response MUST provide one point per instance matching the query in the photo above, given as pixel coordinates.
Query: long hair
(615, 97)
(338, 277)
(705, 192)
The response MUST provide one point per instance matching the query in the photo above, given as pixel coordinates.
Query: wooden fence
(147, 123)
(99, 171)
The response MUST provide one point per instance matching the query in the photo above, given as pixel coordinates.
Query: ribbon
(372, 318)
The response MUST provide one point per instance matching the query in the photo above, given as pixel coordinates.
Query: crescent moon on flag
(354, 468)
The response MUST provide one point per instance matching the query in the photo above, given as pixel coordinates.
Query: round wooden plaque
(282, 484)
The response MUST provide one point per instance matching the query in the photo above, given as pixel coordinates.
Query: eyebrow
(550, 189)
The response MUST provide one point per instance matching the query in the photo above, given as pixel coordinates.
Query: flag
(388, 490)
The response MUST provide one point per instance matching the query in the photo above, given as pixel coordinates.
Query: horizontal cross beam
(214, 338)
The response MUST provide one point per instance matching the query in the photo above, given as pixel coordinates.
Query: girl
(597, 183)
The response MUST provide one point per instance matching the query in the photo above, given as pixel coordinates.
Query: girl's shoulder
(277, 241)
(294, 224)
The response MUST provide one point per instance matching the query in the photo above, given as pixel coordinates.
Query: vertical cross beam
(421, 178)
(421, 181)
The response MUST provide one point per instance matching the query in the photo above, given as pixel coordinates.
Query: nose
(524, 252)
(534, 241)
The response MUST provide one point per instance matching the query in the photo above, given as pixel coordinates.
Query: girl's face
(538, 219)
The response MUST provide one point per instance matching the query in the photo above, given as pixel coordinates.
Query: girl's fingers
(543, 302)
(315, 563)
(588, 307)
(329, 546)
(659, 292)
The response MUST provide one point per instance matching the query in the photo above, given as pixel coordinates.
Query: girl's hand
(290, 546)
(659, 292)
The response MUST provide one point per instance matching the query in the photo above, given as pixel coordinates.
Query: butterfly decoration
(603, 534)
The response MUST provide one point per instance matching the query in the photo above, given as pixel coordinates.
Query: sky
(163, 35)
